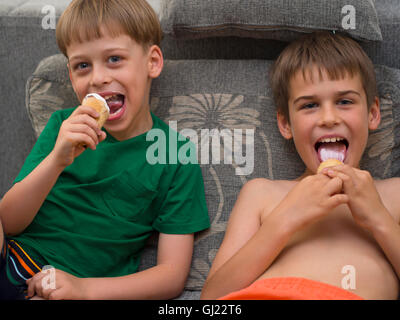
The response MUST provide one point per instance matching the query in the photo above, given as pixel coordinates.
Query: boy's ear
(374, 115)
(284, 126)
(156, 61)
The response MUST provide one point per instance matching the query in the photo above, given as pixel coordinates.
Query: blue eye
(309, 105)
(81, 66)
(345, 101)
(114, 59)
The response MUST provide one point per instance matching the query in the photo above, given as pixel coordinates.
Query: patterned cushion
(268, 19)
(225, 95)
(48, 90)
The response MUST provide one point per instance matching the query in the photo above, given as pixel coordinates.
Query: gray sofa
(210, 81)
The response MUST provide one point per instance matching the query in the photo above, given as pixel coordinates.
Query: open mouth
(116, 104)
(332, 148)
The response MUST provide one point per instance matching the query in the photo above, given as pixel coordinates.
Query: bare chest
(337, 251)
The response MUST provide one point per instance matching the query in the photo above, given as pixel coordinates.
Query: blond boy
(86, 199)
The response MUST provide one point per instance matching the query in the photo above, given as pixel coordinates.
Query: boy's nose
(329, 116)
(99, 77)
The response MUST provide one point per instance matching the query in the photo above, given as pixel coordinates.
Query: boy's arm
(21, 203)
(387, 234)
(166, 280)
(370, 211)
(241, 258)
(386, 230)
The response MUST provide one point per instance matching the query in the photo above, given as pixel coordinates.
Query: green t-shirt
(102, 209)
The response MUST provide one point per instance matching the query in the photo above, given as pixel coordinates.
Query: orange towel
(291, 288)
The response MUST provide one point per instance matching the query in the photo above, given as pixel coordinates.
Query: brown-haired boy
(332, 235)
(86, 199)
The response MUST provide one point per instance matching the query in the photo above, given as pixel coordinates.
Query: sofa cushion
(226, 95)
(49, 89)
(272, 19)
(387, 52)
(384, 52)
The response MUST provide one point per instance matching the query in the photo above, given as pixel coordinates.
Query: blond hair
(336, 54)
(83, 19)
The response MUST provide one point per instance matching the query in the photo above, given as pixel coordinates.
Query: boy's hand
(364, 201)
(312, 198)
(76, 132)
(57, 286)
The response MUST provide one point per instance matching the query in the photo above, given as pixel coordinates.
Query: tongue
(115, 105)
(332, 150)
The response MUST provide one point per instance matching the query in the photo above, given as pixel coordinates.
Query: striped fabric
(20, 265)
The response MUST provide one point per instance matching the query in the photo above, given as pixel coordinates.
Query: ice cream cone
(98, 103)
(329, 163)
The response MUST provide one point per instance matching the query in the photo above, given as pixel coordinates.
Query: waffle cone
(329, 163)
(99, 106)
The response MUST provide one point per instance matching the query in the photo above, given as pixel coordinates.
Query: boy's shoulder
(388, 187)
(264, 184)
(389, 191)
(395, 181)
(265, 193)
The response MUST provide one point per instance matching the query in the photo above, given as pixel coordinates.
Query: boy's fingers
(337, 174)
(31, 290)
(345, 173)
(334, 185)
(346, 169)
(337, 200)
(86, 130)
(88, 116)
(84, 140)
(88, 120)
(85, 119)
(56, 294)
(102, 136)
(46, 293)
(35, 285)
(86, 110)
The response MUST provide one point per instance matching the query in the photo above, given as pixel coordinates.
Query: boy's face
(328, 118)
(120, 70)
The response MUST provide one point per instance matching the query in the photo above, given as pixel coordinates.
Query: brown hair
(336, 54)
(82, 20)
